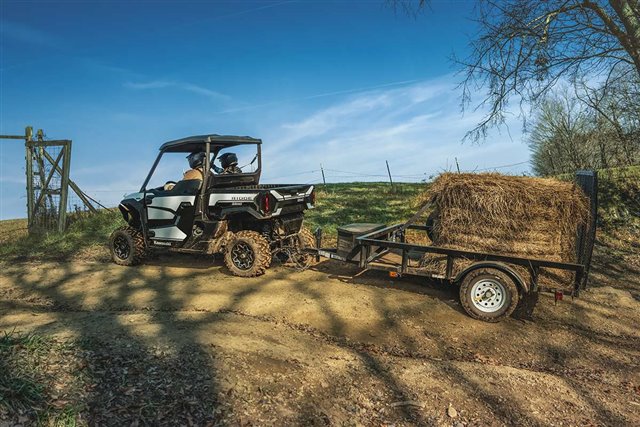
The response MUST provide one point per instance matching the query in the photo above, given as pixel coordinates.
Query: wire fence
(330, 175)
(319, 176)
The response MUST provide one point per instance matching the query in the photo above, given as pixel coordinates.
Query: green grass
(340, 204)
(28, 369)
(337, 204)
(20, 387)
(83, 233)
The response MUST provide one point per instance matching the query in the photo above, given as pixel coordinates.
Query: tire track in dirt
(451, 355)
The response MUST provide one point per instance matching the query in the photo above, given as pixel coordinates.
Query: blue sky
(348, 84)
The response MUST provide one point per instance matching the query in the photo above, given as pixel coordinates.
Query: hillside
(337, 204)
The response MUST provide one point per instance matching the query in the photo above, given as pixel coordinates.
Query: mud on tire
(127, 246)
(488, 294)
(248, 254)
(306, 240)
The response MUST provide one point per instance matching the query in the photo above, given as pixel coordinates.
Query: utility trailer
(491, 284)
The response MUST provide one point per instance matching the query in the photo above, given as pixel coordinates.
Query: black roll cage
(209, 144)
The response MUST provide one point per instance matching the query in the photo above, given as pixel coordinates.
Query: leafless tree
(577, 128)
(615, 104)
(524, 47)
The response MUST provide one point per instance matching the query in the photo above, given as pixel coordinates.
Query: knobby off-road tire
(488, 294)
(248, 254)
(127, 246)
(306, 240)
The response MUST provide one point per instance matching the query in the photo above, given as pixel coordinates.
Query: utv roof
(194, 143)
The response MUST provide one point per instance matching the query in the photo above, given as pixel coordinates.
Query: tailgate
(292, 198)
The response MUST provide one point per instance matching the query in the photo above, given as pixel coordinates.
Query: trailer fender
(520, 282)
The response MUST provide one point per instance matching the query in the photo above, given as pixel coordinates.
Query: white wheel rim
(488, 295)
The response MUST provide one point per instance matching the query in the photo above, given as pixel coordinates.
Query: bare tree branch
(525, 47)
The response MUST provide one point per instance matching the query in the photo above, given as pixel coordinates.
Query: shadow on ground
(178, 340)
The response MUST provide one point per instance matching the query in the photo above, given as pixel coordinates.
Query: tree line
(579, 127)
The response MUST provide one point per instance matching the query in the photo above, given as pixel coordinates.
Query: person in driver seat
(229, 162)
(196, 160)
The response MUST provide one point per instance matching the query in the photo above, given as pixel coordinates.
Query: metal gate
(588, 182)
(47, 170)
(49, 203)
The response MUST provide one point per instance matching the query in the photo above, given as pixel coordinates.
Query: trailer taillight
(313, 197)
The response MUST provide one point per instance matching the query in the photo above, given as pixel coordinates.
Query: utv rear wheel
(248, 254)
(306, 240)
(488, 294)
(127, 246)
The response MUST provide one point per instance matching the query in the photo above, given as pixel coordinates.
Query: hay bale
(511, 215)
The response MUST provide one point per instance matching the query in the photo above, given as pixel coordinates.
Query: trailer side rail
(392, 237)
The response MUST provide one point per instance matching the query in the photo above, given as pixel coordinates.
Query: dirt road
(179, 338)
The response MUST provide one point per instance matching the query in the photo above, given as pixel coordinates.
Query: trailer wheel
(248, 254)
(488, 294)
(127, 246)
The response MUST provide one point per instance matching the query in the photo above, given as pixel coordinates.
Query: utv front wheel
(127, 246)
(248, 254)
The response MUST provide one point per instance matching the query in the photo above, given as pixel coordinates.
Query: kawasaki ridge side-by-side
(226, 212)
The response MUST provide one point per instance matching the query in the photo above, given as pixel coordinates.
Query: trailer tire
(127, 246)
(247, 254)
(488, 294)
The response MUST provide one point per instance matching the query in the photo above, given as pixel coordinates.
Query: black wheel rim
(242, 256)
(121, 247)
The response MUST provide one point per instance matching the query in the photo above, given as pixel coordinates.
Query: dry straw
(513, 215)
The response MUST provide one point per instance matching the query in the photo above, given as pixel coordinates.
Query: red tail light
(313, 197)
(266, 203)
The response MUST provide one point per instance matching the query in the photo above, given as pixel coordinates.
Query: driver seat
(185, 187)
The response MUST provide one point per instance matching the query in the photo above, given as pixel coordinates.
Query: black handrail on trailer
(376, 244)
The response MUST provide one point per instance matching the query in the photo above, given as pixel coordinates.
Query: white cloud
(189, 87)
(155, 84)
(418, 127)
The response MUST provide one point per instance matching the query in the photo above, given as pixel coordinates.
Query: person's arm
(217, 169)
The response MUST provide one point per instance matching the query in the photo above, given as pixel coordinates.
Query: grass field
(337, 204)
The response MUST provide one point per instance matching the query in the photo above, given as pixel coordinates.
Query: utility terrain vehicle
(228, 213)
